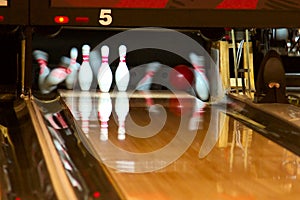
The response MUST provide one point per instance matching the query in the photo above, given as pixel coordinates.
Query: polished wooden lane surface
(160, 158)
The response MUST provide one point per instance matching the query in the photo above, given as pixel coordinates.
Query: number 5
(105, 17)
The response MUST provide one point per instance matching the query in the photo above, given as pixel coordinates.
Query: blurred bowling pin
(42, 58)
(104, 76)
(73, 67)
(95, 62)
(85, 74)
(104, 112)
(57, 75)
(196, 121)
(145, 83)
(85, 109)
(122, 109)
(122, 75)
(201, 83)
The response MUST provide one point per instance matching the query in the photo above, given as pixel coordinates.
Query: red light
(61, 19)
(1, 18)
(18, 198)
(82, 19)
(96, 195)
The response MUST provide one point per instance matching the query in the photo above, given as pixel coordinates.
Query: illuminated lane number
(105, 17)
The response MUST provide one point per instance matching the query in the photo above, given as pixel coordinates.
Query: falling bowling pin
(121, 109)
(57, 75)
(85, 74)
(42, 58)
(104, 76)
(73, 67)
(104, 112)
(201, 83)
(122, 75)
(146, 81)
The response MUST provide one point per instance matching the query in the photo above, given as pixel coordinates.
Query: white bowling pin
(121, 109)
(85, 109)
(201, 83)
(95, 62)
(104, 76)
(73, 67)
(85, 74)
(196, 120)
(122, 75)
(146, 81)
(42, 58)
(104, 112)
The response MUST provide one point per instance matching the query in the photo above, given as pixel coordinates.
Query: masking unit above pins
(165, 13)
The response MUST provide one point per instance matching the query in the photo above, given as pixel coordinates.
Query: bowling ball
(182, 106)
(181, 77)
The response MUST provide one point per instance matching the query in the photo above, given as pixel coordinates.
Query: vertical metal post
(235, 61)
(26, 61)
(23, 48)
(247, 61)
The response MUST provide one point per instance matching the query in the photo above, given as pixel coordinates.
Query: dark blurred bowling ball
(182, 106)
(181, 77)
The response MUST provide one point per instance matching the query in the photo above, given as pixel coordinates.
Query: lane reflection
(122, 110)
(216, 158)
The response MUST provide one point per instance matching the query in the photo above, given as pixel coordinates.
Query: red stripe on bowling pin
(68, 70)
(73, 61)
(200, 69)
(61, 74)
(104, 59)
(104, 124)
(42, 62)
(85, 58)
(43, 65)
(149, 74)
(122, 59)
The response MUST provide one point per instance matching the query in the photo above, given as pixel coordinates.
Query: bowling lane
(182, 151)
